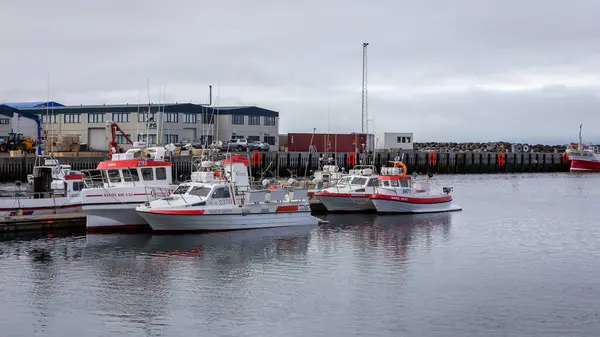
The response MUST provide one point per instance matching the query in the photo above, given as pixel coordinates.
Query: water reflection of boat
(243, 244)
(393, 236)
(109, 244)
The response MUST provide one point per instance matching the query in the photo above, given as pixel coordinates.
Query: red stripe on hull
(585, 165)
(343, 195)
(119, 229)
(178, 211)
(412, 200)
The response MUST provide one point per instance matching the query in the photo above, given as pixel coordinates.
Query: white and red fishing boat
(51, 189)
(352, 193)
(583, 157)
(219, 197)
(397, 193)
(121, 184)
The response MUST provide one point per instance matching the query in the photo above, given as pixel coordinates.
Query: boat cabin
(135, 167)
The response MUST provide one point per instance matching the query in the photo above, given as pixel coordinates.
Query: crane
(114, 146)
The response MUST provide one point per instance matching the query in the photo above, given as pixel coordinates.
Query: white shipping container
(394, 141)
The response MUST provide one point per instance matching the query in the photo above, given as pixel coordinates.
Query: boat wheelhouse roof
(132, 163)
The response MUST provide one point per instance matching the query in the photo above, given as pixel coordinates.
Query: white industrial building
(163, 124)
(393, 141)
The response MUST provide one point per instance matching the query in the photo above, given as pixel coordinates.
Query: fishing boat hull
(346, 202)
(115, 218)
(227, 219)
(112, 210)
(60, 205)
(392, 204)
(585, 165)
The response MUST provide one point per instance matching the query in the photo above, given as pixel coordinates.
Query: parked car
(236, 144)
(258, 146)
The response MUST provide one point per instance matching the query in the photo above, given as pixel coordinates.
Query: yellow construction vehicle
(16, 141)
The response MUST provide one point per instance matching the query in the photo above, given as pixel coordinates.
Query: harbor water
(521, 259)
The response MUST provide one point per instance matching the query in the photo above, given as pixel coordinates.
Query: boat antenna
(580, 146)
(309, 150)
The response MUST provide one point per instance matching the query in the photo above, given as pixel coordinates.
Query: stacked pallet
(62, 143)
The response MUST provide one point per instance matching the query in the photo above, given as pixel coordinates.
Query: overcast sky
(515, 70)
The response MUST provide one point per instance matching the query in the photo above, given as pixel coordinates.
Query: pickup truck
(235, 144)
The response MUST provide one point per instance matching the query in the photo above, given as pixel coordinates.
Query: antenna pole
(364, 112)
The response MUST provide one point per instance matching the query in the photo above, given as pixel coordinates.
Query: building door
(188, 134)
(97, 139)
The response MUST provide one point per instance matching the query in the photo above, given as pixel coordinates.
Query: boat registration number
(220, 211)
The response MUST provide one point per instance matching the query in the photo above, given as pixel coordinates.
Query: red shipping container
(322, 142)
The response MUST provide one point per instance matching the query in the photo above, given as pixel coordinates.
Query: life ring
(525, 148)
(401, 165)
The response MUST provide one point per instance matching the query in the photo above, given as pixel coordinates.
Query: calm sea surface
(521, 259)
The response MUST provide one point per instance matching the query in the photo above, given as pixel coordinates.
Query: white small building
(393, 141)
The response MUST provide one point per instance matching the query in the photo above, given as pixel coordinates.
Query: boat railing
(157, 192)
(24, 194)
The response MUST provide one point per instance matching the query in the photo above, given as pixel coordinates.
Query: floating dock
(26, 223)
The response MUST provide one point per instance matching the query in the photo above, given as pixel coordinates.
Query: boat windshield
(181, 189)
(344, 181)
(200, 191)
(358, 181)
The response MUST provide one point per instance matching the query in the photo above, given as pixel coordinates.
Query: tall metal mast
(364, 113)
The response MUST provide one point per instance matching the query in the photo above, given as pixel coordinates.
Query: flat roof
(9, 111)
(169, 107)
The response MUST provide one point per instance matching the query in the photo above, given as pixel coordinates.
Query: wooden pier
(46, 222)
(302, 164)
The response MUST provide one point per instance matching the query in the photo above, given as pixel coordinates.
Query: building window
(142, 117)
(253, 120)
(171, 138)
(171, 117)
(402, 139)
(208, 119)
(96, 118)
(71, 118)
(120, 117)
(122, 140)
(151, 139)
(190, 118)
(237, 119)
(270, 121)
(4, 120)
(48, 119)
(253, 139)
(270, 140)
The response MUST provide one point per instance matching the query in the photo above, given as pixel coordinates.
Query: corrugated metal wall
(323, 142)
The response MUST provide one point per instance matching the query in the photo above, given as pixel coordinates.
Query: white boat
(220, 197)
(397, 193)
(352, 193)
(51, 189)
(124, 182)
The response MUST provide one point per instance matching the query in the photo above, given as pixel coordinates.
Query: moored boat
(352, 193)
(583, 157)
(397, 193)
(219, 197)
(52, 189)
(124, 182)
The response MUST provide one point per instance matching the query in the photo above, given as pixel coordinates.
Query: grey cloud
(447, 65)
